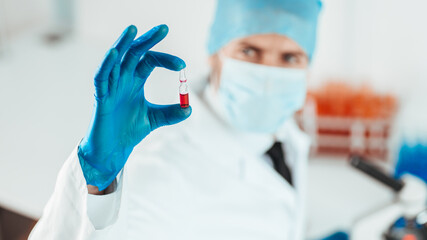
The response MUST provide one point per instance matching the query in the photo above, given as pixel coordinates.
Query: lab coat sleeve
(103, 210)
(66, 215)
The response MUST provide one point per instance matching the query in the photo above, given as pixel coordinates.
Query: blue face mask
(259, 98)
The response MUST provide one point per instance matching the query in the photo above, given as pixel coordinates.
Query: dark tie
(278, 157)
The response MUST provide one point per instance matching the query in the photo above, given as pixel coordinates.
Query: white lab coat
(195, 180)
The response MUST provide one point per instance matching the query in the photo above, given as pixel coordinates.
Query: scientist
(236, 169)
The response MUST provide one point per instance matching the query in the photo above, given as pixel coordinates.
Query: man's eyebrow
(246, 44)
(258, 48)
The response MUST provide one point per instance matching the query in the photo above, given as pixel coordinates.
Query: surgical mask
(259, 98)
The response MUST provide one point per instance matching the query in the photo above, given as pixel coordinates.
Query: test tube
(183, 89)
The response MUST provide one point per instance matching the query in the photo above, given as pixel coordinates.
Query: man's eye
(249, 52)
(290, 58)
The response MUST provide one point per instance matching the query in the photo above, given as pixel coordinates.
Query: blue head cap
(296, 19)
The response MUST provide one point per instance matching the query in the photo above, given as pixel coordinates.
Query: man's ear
(212, 60)
(215, 70)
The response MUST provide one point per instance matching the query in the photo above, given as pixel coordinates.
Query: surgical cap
(296, 19)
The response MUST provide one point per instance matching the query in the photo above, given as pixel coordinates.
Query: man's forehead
(274, 42)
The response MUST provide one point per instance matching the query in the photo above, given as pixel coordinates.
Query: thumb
(162, 115)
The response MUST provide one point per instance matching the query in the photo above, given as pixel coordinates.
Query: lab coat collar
(241, 152)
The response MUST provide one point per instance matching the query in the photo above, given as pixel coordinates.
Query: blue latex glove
(122, 116)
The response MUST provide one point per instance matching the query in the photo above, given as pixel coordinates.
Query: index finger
(141, 45)
(157, 59)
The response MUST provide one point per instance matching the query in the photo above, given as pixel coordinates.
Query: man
(236, 169)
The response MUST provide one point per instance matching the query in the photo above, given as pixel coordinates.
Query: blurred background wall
(380, 40)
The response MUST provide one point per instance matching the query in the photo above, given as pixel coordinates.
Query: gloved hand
(122, 116)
